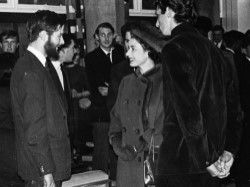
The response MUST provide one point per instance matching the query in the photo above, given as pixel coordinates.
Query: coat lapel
(58, 86)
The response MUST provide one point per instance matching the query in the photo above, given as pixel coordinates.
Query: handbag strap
(152, 146)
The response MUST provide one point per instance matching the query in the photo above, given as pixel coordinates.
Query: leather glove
(126, 152)
(142, 144)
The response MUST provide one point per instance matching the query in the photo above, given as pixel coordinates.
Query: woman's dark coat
(138, 95)
(202, 116)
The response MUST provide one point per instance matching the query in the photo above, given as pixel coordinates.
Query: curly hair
(43, 20)
(185, 10)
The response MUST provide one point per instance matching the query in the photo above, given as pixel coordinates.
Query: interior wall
(243, 15)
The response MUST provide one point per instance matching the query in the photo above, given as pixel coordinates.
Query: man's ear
(97, 37)
(169, 12)
(43, 35)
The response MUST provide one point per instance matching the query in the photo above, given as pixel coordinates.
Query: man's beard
(51, 50)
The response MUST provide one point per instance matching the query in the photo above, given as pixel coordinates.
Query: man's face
(217, 36)
(68, 53)
(105, 38)
(163, 22)
(127, 38)
(9, 45)
(54, 40)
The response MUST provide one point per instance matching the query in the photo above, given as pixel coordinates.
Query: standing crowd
(170, 108)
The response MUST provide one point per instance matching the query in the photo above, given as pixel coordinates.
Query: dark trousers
(187, 180)
(104, 157)
(40, 183)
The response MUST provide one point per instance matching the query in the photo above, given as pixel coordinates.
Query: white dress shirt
(57, 66)
(38, 54)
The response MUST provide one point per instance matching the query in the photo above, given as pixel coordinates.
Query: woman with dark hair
(137, 115)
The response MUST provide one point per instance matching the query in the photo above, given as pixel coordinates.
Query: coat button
(137, 131)
(124, 129)
(139, 159)
(139, 102)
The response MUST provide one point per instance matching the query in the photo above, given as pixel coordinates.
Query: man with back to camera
(202, 121)
(98, 66)
(42, 138)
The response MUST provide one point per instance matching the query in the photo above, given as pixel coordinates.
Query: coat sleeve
(234, 111)
(35, 127)
(179, 76)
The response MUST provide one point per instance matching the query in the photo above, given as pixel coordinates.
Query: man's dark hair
(67, 41)
(234, 40)
(185, 10)
(246, 41)
(43, 20)
(218, 28)
(247, 33)
(104, 25)
(203, 25)
(9, 34)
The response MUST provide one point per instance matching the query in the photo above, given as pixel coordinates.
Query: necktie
(108, 55)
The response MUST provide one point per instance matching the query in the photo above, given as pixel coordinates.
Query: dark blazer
(98, 67)
(40, 120)
(202, 116)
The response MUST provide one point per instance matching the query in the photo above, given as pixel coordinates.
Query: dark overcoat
(137, 94)
(40, 118)
(202, 113)
(98, 67)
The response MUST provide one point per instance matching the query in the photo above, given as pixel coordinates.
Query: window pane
(3, 1)
(148, 4)
(42, 2)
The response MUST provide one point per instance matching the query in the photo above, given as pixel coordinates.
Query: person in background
(8, 163)
(98, 66)
(40, 117)
(217, 36)
(137, 115)
(202, 124)
(80, 104)
(9, 42)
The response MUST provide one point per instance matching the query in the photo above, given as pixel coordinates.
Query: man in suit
(202, 126)
(40, 116)
(98, 66)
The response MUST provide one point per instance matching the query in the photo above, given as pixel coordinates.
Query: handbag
(149, 164)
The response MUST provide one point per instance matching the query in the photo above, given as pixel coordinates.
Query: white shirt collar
(38, 54)
(106, 52)
(230, 50)
(248, 58)
(56, 64)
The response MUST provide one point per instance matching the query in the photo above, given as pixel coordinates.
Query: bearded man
(40, 116)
